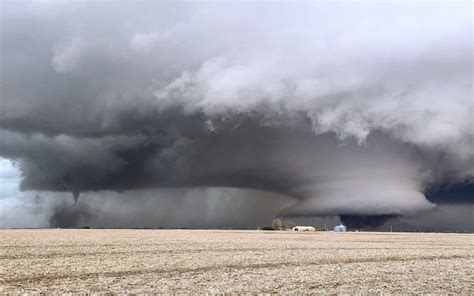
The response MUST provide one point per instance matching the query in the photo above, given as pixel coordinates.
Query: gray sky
(293, 109)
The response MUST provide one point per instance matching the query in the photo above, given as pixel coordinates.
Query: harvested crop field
(176, 261)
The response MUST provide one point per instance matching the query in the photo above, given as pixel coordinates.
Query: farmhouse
(304, 228)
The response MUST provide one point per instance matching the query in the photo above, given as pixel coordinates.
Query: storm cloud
(343, 108)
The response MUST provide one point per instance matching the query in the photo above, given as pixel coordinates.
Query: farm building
(304, 228)
(340, 228)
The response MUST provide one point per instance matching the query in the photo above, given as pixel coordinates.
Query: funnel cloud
(358, 110)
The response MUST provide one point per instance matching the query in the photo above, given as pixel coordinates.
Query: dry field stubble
(174, 261)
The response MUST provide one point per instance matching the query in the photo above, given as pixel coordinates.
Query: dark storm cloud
(458, 193)
(350, 109)
(365, 222)
(190, 208)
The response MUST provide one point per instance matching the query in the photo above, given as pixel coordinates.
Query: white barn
(303, 228)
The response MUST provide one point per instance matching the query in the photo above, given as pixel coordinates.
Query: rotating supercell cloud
(358, 110)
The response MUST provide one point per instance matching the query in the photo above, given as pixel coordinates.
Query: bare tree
(287, 224)
(276, 224)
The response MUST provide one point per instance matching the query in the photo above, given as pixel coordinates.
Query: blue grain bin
(340, 228)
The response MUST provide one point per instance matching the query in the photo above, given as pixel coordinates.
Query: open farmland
(172, 261)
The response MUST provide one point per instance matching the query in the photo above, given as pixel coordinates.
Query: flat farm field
(212, 261)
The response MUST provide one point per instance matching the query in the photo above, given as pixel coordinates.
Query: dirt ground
(211, 261)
